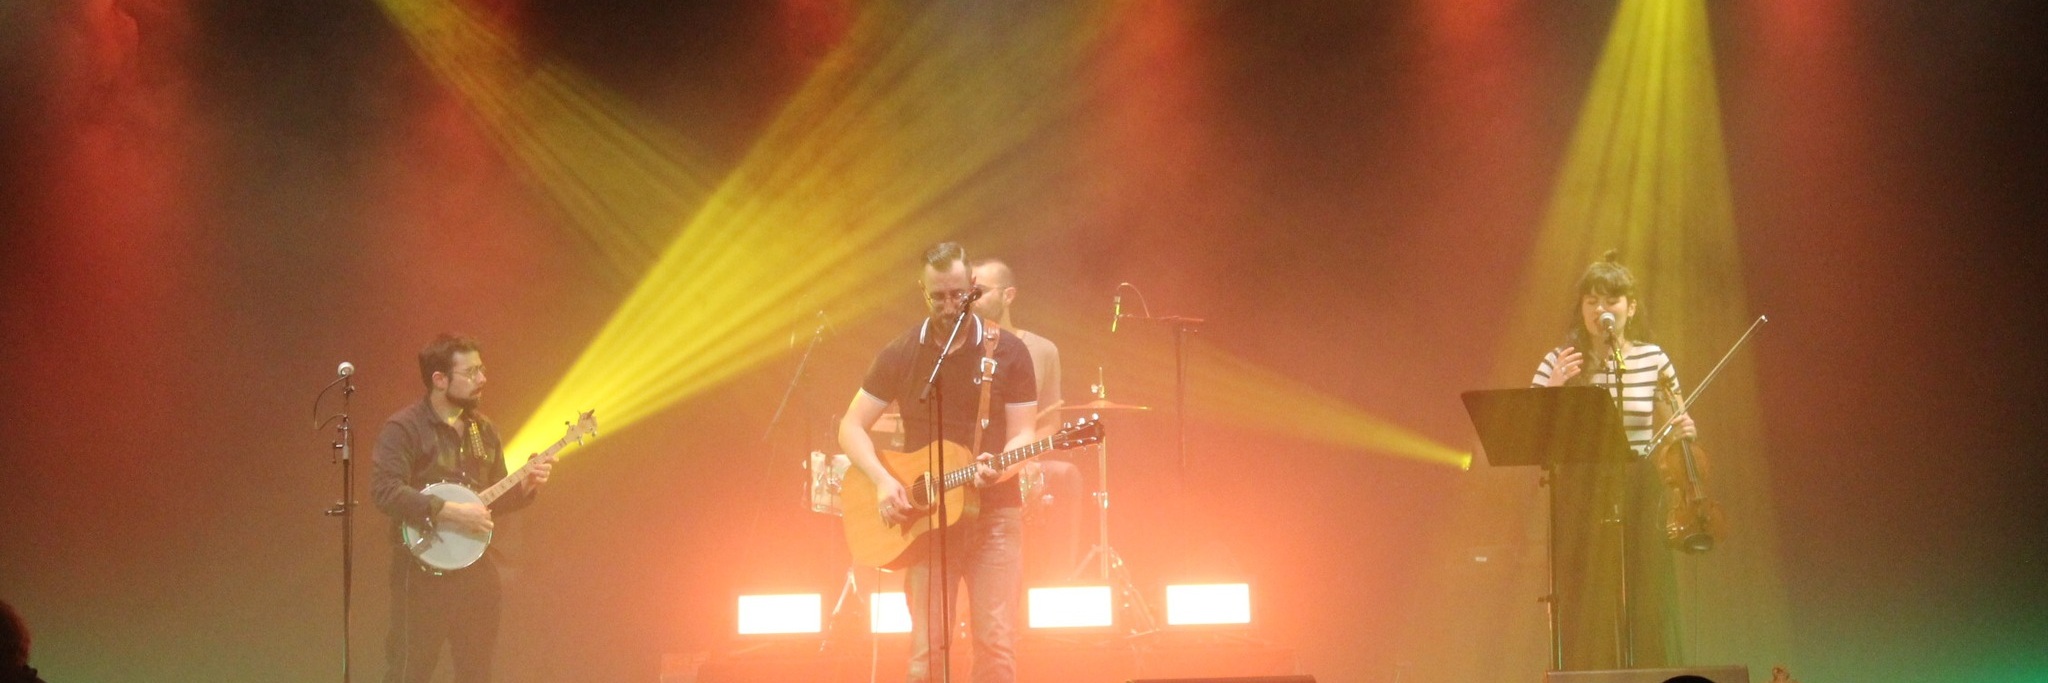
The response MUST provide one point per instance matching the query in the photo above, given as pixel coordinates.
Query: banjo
(444, 550)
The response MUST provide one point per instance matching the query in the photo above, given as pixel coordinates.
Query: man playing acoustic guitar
(984, 550)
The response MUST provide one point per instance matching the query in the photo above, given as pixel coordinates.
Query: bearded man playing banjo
(443, 438)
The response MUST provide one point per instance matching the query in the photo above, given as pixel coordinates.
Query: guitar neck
(964, 475)
(519, 475)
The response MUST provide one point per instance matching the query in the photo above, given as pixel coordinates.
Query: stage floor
(1040, 660)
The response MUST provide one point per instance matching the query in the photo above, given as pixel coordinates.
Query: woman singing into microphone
(1609, 515)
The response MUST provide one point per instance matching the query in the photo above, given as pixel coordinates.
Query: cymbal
(1099, 405)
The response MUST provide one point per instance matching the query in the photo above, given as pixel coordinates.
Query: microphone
(1119, 314)
(1607, 321)
(973, 294)
(825, 326)
(345, 369)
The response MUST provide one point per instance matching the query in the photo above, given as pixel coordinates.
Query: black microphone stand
(850, 588)
(935, 472)
(794, 380)
(1181, 325)
(1623, 509)
(343, 450)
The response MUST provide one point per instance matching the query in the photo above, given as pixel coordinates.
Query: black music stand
(1548, 427)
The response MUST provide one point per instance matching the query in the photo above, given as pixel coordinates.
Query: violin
(1692, 520)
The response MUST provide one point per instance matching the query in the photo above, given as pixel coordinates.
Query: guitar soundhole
(921, 492)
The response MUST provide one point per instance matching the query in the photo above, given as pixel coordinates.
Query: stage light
(781, 614)
(888, 613)
(1071, 607)
(1208, 604)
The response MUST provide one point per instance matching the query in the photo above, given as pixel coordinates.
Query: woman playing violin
(1611, 618)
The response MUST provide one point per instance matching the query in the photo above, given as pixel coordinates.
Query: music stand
(1547, 427)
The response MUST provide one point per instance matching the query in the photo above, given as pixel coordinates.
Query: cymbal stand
(1109, 565)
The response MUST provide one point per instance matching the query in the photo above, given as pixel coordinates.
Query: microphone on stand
(1607, 321)
(1119, 314)
(345, 369)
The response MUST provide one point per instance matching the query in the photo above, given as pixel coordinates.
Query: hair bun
(1612, 256)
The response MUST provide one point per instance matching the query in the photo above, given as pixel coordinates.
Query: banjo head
(446, 549)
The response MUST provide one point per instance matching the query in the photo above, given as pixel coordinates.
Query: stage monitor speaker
(1691, 674)
(1246, 679)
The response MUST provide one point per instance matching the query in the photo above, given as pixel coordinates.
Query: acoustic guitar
(877, 542)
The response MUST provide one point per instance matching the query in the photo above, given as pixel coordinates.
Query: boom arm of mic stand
(793, 381)
(1181, 320)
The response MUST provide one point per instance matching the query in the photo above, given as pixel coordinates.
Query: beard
(469, 402)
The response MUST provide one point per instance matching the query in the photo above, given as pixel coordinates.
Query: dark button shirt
(899, 372)
(418, 448)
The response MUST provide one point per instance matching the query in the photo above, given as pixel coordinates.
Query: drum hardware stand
(850, 591)
(343, 450)
(1109, 565)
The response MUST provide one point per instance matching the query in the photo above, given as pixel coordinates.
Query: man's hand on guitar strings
(894, 502)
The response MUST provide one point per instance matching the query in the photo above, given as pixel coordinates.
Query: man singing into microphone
(985, 553)
(444, 438)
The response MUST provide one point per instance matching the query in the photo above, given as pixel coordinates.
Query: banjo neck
(519, 475)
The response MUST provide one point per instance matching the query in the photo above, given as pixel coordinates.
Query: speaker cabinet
(1692, 674)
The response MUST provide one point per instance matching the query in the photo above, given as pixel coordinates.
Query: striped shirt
(1640, 372)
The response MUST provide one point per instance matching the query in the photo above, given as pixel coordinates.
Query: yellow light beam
(1227, 389)
(911, 130)
(616, 176)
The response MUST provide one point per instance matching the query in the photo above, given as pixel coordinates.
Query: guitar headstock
(1079, 433)
(584, 426)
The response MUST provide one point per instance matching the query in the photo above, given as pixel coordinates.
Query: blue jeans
(988, 555)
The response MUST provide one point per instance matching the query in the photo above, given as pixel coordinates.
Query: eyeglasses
(472, 373)
(948, 295)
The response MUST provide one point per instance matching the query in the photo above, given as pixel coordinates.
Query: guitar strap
(986, 377)
(477, 455)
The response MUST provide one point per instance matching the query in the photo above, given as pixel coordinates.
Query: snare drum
(822, 487)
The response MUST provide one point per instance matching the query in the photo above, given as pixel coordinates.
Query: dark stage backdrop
(207, 205)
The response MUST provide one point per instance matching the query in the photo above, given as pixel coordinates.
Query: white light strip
(888, 613)
(771, 614)
(1221, 603)
(1070, 607)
